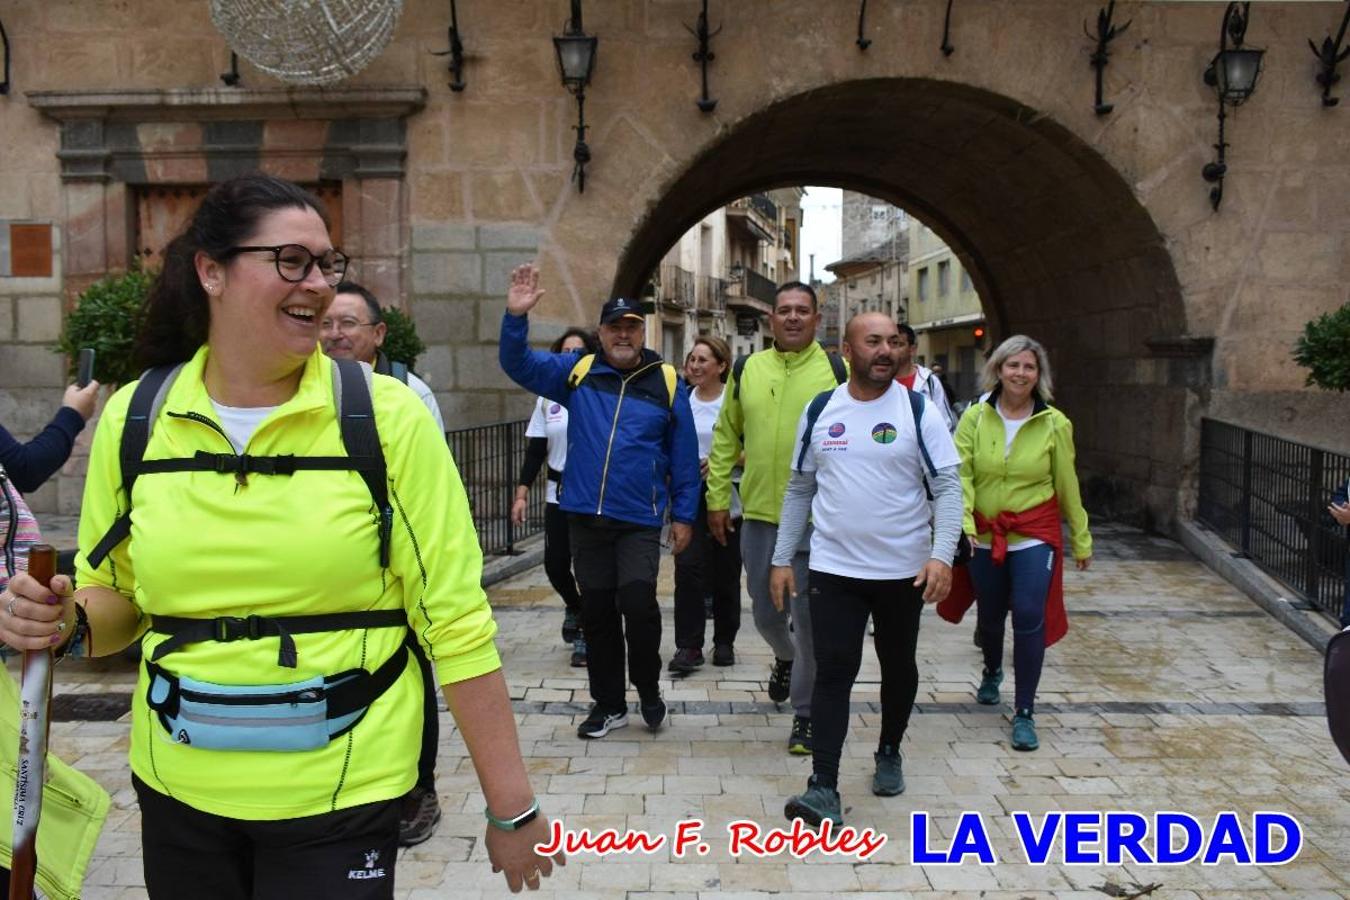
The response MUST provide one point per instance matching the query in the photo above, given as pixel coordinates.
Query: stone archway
(1057, 244)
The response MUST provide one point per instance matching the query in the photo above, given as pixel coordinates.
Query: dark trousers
(705, 569)
(189, 853)
(839, 610)
(616, 564)
(431, 718)
(558, 557)
(1020, 584)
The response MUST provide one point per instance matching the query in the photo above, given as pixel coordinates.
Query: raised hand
(524, 292)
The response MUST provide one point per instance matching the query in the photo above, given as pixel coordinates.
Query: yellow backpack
(583, 368)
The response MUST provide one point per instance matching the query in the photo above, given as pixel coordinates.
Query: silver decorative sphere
(307, 41)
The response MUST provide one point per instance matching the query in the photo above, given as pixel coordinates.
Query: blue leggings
(1021, 583)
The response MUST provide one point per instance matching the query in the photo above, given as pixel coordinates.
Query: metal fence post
(1313, 574)
(509, 491)
(1245, 505)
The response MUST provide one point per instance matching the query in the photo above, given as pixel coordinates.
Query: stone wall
(1094, 233)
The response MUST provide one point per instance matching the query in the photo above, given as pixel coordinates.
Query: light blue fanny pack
(301, 715)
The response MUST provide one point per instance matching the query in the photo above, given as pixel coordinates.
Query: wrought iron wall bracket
(1330, 55)
(4, 45)
(704, 55)
(456, 52)
(231, 78)
(947, 48)
(1106, 33)
(863, 41)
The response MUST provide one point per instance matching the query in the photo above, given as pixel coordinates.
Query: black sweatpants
(616, 564)
(431, 717)
(707, 568)
(558, 557)
(839, 610)
(189, 853)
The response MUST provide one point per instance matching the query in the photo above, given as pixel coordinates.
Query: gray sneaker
(815, 805)
(888, 780)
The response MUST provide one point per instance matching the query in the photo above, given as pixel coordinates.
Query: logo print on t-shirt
(836, 429)
(883, 433)
(554, 409)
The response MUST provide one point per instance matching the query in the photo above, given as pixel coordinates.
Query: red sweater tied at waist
(1040, 522)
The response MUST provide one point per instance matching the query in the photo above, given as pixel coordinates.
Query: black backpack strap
(737, 372)
(184, 631)
(836, 364)
(813, 411)
(916, 407)
(145, 404)
(357, 691)
(356, 418)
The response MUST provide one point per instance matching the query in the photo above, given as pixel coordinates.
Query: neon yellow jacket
(202, 546)
(1039, 464)
(776, 388)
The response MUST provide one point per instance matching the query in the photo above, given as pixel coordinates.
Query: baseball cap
(620, 308)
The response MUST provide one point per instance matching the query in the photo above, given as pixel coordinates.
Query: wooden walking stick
(35, 699)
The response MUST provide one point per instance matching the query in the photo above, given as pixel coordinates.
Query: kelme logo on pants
(883, 433)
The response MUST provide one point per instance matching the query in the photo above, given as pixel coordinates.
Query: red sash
(1041, 522)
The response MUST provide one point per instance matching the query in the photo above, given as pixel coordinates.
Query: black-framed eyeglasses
(294, 262)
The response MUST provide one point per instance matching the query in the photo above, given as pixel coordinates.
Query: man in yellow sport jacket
(761, 409)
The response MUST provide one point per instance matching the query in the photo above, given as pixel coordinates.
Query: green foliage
(1324, 350)
(107, 317)
(401, 343)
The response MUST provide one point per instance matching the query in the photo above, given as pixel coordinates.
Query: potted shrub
(107, 317)
(1324, 350)
(401, 343)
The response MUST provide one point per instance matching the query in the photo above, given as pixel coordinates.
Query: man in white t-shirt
(860, 472)
(353, 328)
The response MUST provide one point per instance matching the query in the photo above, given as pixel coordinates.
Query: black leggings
(707, 568)
(558, 557)
(839, 610)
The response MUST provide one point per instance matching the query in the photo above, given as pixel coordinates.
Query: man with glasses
(353, 328)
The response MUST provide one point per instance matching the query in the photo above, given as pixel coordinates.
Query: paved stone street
(1171, 692)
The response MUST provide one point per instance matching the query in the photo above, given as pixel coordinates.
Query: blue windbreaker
(629, 451)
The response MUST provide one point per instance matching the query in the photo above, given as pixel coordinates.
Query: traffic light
(978, 332)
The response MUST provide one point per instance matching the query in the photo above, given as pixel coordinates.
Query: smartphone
(85, 368)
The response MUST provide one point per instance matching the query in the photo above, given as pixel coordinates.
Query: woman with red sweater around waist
(1018, 480)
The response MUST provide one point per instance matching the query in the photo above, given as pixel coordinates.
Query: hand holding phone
(85, 368)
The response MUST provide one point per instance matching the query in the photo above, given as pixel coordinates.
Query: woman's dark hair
(177, 314)
(587, 338)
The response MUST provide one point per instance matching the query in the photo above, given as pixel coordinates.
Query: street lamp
(576, 60)
(1233, 74)
(4, 64)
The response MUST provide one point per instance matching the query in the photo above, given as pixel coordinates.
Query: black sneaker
(653, 712)
(686, 660)
(579, 652)
(571, 629)
(889, 778)
(799, 741)
(780, 680)
(418, 816)
(600, 723)
(814, 805)
(724, 655)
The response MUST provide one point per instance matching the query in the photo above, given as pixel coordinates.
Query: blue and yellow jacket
(629, 448)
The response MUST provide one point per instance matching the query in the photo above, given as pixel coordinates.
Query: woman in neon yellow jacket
(280, 550)
(1018, 480)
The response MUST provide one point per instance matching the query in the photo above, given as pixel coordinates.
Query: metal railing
(678, 286)
(712, 293)
(489, 459)
(759, 286)
(1268, 497)
(761, 204)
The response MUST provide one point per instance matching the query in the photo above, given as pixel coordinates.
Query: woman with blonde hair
(1018, 480)
(707, 568)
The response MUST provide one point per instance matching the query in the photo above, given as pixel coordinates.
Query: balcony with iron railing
(747, 289)
(712, 295)
(679, 287)
(757, 215)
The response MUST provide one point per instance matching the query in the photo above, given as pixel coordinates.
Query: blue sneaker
(1024, 731)
(988, 692)
(815, 805)
(889, 779)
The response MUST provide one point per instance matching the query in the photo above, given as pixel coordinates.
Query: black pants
(839, 610)
(616, 564)
(707, 568)
(188, 853)
(431, 718)
(558, 557)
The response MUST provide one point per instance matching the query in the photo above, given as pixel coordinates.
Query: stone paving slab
(1172, 691)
